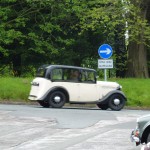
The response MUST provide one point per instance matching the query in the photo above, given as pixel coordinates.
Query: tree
(107, 18)
(107, 15)
(37, 32)
(121, 52)
(34, 32)
(139, 36)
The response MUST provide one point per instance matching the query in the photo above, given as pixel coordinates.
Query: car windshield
(41, 71)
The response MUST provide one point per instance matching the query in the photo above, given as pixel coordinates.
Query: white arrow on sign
(107, 51)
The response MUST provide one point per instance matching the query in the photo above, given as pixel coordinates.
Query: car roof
(67, 66)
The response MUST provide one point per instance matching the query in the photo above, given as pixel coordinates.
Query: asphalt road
(28, 127)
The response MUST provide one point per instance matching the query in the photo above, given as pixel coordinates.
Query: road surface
(28, 127)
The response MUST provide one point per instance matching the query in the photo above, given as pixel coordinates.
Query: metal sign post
(105, 51)
(105, 74)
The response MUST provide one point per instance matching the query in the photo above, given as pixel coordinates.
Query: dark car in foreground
(141, 134)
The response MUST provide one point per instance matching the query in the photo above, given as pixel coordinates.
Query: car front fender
(144, 132)
(105, 99)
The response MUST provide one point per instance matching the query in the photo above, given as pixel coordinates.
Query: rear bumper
(32, 97)
(135, 137)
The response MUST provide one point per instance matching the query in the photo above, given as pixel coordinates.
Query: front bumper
(135, 137)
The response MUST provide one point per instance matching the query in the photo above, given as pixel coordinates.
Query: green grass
(14, 89)
(136, 90)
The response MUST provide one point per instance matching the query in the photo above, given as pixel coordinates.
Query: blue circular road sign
(105, 51)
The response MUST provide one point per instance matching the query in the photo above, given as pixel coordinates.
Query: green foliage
(138, 25)
(103, 16)
(35, 32)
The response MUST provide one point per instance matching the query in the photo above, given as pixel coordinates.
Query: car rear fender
(57, 88)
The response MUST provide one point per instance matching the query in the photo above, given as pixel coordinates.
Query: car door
(88, 90)
(71, 83)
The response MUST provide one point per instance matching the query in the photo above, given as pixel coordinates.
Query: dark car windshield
(41, 71)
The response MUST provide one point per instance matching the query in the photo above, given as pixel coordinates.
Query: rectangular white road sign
(105, 63)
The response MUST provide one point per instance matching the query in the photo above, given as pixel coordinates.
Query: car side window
(87, 76)
(65, 75)
(71, 75)
(57, 74)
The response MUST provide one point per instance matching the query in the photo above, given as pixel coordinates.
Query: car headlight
(137, 131)
(119, 87)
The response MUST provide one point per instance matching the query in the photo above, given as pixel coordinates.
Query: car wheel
(44, 104)
(57, 99)
(103, 107)
(148, 138)
(116, 102)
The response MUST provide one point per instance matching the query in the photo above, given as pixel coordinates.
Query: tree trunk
(137, 65)
(137, 61)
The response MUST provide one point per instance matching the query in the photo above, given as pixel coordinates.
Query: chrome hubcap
(57, 99)
(116, 101)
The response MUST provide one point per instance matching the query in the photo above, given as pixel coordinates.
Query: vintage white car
(56, 85)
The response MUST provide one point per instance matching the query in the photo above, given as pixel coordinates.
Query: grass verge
(14, 89)
(17, 90)
(136, 90)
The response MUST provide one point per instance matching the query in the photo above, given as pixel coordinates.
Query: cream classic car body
(56, 85)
